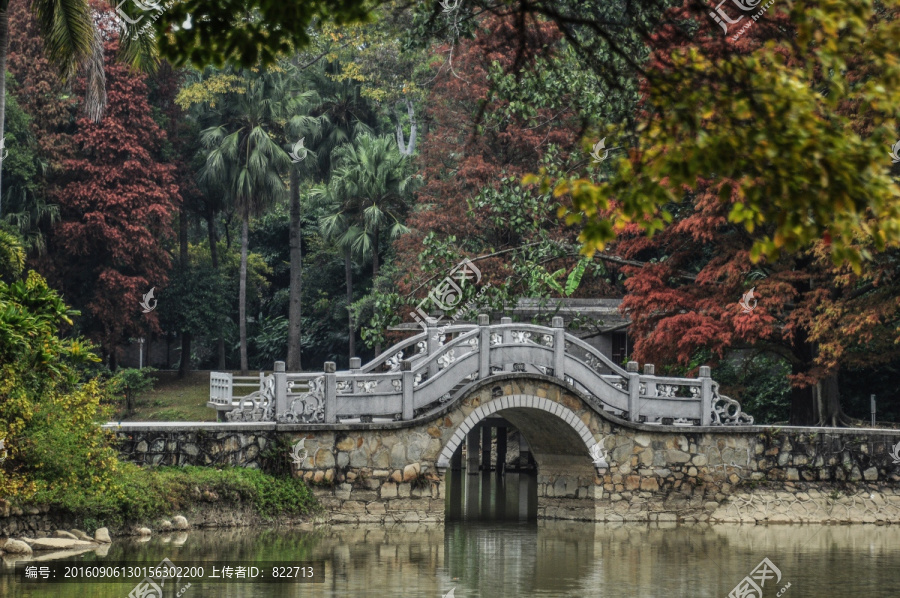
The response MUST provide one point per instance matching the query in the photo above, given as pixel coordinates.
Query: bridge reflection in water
(490, 496)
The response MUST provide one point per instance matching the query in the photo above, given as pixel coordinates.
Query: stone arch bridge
(610, 443)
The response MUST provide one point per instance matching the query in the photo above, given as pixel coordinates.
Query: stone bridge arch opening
(558, 440)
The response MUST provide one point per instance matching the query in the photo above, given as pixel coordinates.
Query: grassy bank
(173, 399)
(146, 494)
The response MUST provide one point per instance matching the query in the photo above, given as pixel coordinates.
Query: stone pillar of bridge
(456, 459)
(355, 364)
(486, 447)
(501, 449)
(472, 451)
(524, 450)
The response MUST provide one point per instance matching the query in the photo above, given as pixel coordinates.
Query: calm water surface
(517, 557)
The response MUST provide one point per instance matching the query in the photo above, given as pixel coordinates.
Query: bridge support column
(486, 447)
(456, 459)
(524, 451)
(472, 451)
(501, 449)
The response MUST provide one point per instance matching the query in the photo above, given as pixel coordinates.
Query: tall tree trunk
(242, 299)
(214, 256)
(375, 266)
(296, 280)
(406, 149)
(818, 404)
(185, 363)
(348, 274)
(4, 50)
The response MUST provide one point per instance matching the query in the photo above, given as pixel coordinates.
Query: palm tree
(375, 182)
(336, 228)
(246, 159)
(367, 195)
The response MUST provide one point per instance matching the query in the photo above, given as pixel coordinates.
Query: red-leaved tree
(117, 201)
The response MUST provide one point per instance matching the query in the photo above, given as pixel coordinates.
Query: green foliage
(760, 384)
(245, 33)
(777, 129)
(130, 383)
(145, 494)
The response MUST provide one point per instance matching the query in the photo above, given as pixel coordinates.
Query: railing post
(408, 385)
(330, 392)
(650, 385)
(262, 380)
(507, 338)
(559, 347)
(706, 405)
(355, 364)
(433, 343)
(280, 389)
(484, 346)
(634, 391)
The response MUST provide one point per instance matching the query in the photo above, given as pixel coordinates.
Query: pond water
(489, 549)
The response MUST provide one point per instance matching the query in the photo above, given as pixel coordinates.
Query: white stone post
(706, 399)
(355, 365)
(650, 384)
(634, 391)
(507, 338)
(280, 389)
(408, 383)
(433, 343)
(484, 346)
(330, 392)
(559, 347)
